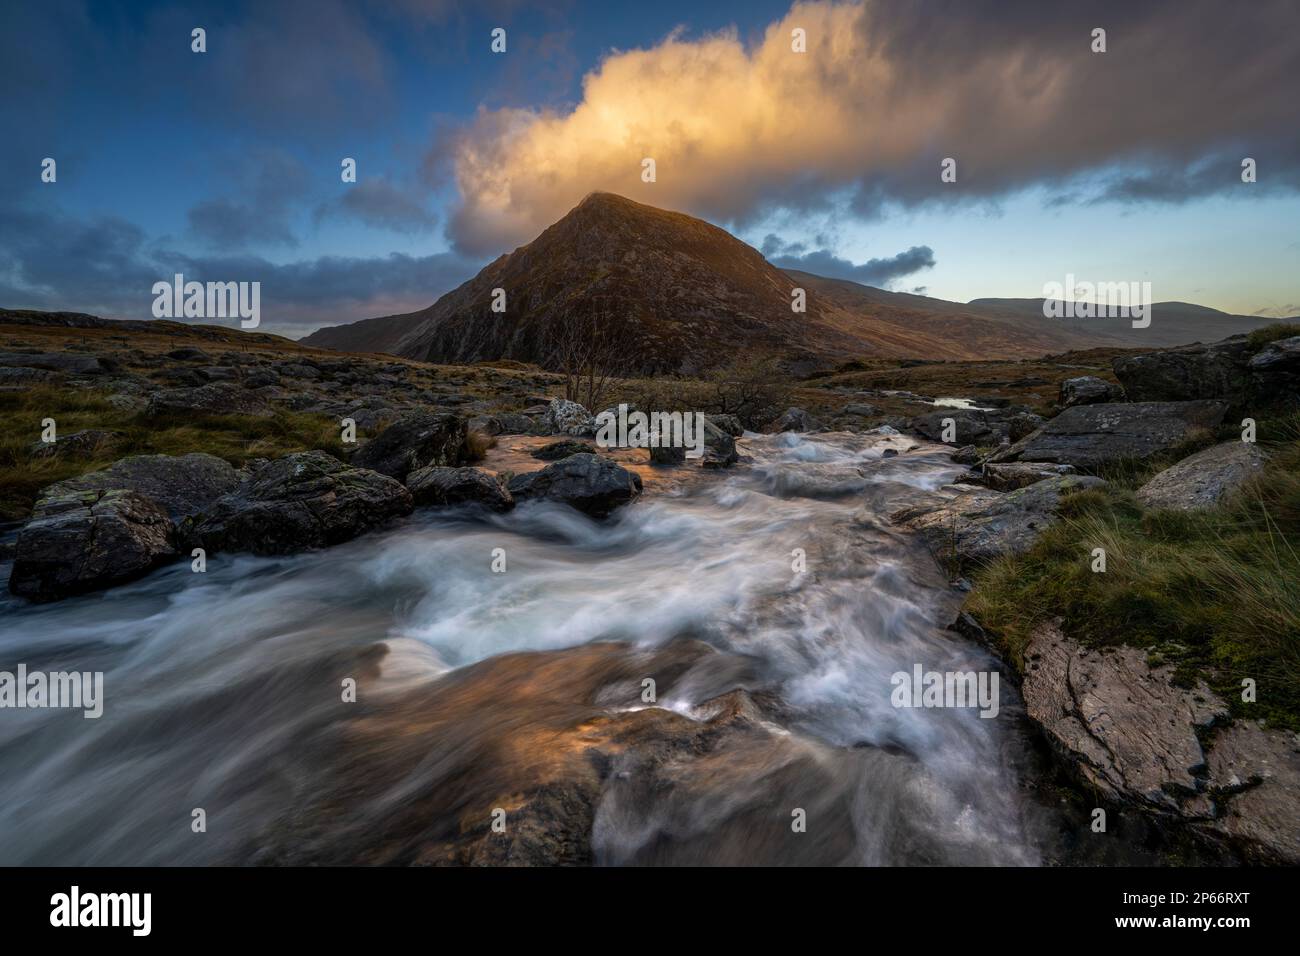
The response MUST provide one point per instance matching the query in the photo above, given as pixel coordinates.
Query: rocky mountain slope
(680, 294)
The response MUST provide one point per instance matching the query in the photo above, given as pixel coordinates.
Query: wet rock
(564, 417)
(217, 398)
(437, 485)
(563, 449)
(182, 484)
(84, 541)
(979, 525)
(970, 426)
(414, 442)
(796, 420)
(1204, 479)
(81, 446)
(1088, 390)
(667, 455)
(301, 501)
(1127, 730)
(1123, 727)
(966, 455)
(719, 447)
(1089, 436)
(727, 423)
(592, 484)
(1017, 474)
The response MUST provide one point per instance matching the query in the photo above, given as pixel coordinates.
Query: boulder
(1089, 436)
(556, 450)
(796, 420)
(414, 442)
(190, 354)
(81, 541)
(514, 423)
(979, 525)
(1204, 479)
(1233, 370)
(719, 447)
(971, 426)
(1137, 738)
(564, 417)
(727, 423)
(437, 485)
(861, 410)
(216, 398)
(306, 500)
(592, 484)
(1088, 390)
(182, 484)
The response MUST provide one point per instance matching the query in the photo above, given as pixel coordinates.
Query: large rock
(974, 426)
(437, 485)
(79, 446)
(796, 420)
(979, 525)
(414, 442)
(1131, 733)
(217, 398)
(1089, 436)
(306, 500)
(1232, 370)
(83, 541)
(564, 417)
(1088, 390)
(182, 484)
(1204, 479)
(719, 447)
(1011, 475)
(54, 361)
(592, 484)
(554, 451)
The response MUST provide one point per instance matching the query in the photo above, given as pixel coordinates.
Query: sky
(225, 165)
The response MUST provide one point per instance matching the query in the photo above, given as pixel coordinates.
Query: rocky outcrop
(79, 446)
(1233, 370)
(1090, 436)
(1204, 479)
(1088, 390)
(979, 525)
(217, 398)
(79, 541)
(441, 486)
(182, 484)
(564, 417)
(1127, 730)
(975, 426)
(306, 500)
(592, 484)
(414, 442)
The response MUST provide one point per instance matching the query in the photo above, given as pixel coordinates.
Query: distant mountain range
(683, 295)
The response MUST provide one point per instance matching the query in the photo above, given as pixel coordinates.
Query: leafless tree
(586, 345)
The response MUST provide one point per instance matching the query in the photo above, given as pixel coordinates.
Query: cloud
(378, 202)
(107, 267)
(885, 92)
(822, 262)
(269, 183)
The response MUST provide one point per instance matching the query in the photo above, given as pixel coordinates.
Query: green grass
(1214, 592)
(1271, 333)
(236, 438)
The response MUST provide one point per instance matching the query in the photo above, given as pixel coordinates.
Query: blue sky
(225, 164)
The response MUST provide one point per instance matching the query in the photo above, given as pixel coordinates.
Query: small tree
(588, 349)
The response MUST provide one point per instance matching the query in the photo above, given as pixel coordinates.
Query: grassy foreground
(1214, 592)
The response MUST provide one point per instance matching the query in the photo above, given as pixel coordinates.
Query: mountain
(679, 294)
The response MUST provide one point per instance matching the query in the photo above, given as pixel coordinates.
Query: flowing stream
(214, 681)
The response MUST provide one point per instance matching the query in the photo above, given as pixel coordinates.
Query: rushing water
(212, 680)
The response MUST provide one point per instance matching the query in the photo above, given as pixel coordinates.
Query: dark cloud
(823, 262)
(378, 202)
(268, 184)
(107, 267)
